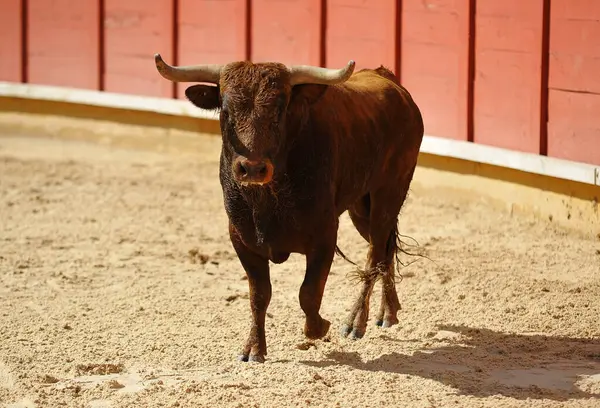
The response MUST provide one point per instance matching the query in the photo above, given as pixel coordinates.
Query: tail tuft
(398, 247)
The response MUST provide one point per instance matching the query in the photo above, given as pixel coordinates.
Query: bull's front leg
(318, 264)
(259, 282)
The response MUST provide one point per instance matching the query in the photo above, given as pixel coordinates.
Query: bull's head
(253, 100)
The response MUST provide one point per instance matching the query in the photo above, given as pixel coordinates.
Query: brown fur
(348, 147)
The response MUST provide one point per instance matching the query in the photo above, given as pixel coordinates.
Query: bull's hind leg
(390, 305)
(375, 219)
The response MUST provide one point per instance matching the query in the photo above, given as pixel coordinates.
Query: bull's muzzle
(246, 171)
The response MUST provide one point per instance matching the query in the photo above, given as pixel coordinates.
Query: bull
(300, 146)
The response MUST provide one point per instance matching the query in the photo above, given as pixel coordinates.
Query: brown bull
(301, 145)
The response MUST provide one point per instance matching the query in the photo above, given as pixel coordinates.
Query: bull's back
(387, 74)
(373, 106)
(375, 130)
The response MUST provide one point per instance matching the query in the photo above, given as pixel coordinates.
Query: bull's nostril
(250, 171)
(262, 171)
(242, 171)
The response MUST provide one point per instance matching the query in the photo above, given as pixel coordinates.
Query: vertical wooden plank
(210, 32)
(362, 30)
(574, 81)
(435, 63)
(63, 41)
(286, 31)
(101, 49)
(508, 73)
(134, 30)
(11, 45)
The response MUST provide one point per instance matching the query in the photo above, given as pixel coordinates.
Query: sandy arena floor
(119, 288)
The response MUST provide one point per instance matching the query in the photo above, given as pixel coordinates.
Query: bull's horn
(193, 73)
(305, 74)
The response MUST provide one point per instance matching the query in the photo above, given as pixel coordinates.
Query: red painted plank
(63, 43)
(575, 45)
(508, 74)
(362, 30)
(11, 45)
(435, 63)
(574, 72)
(580, 37)
(574, 81)
(134, 31)
(433, 6)
(575, 9)
(200, 23)
(287, 31)
(574, 126)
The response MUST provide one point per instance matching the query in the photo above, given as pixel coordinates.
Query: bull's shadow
(485, 363)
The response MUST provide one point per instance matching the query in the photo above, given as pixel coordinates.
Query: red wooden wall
(523, 75)
(203, 37)
(63, 38)
(435, 62)
(508, 73)
(11, 41)
(574, 81)
(286, 31)
(133, 31)
(364, 31)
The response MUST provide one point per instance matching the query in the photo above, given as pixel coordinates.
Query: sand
(119, 288)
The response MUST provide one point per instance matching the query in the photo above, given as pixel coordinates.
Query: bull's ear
(203, 96)
(310, 93)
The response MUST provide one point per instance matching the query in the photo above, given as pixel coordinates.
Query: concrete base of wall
(119, 127)
(568, 203)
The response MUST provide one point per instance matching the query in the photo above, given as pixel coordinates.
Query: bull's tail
(407, 248)
(397, 245)
(343, 256)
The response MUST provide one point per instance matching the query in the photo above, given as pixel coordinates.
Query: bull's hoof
(353, 333)
(387, 322)
(345, 330)
(252, 358)
(357, 334)
(317, 331)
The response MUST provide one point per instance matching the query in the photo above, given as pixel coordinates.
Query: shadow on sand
(483, 363)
